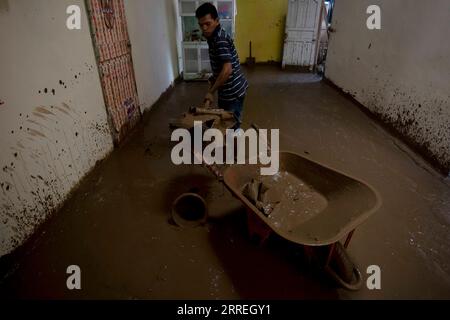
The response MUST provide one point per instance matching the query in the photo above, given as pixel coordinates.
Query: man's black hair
(205, 9)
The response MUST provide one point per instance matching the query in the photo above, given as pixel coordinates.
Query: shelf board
(202, 43)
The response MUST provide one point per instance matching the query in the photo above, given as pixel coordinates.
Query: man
(227, 78)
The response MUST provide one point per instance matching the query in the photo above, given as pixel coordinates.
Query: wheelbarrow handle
(257, 128)
(216, 170)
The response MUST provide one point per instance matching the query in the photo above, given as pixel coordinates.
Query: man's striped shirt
(221, 51)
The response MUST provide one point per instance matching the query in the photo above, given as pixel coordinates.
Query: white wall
(47, 141)
(50, 141)
(400, 72)
(152, 25)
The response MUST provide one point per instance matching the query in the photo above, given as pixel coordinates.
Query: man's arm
(224, 75)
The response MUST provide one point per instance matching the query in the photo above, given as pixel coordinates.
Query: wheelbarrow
(318, 207)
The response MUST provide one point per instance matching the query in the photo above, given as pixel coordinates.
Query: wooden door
(302, 26)
(113, 51)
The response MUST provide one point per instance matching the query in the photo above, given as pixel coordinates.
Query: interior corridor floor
(116, 224)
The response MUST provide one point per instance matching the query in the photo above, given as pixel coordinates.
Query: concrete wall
(400, 72)
(153, 33)
(53, 123)
(262, 22)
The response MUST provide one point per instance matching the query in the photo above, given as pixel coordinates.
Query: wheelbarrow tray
(316, 206)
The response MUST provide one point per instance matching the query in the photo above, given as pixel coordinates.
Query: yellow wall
(262, 22)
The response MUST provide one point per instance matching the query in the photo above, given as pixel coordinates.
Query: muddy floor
(116, 225)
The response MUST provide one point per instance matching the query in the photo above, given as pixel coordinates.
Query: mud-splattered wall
(53, 122)
(262, 22)
(152, 26)
(401, 72)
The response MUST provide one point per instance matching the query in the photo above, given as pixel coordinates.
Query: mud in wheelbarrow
(316, 207)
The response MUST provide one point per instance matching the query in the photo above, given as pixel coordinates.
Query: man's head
(208, 19)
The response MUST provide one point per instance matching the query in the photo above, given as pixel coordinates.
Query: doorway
(324, 38)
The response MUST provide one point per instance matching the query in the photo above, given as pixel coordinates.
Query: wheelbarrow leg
(342, 270)
(330, 254)
(349, 237)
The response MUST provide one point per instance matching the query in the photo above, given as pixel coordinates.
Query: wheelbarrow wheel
(342, 270)
(354, 286)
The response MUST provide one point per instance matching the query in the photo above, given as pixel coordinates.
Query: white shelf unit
(195, 55)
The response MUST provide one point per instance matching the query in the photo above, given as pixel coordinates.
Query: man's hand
(209, 99)
(211, 81)
(224, 75)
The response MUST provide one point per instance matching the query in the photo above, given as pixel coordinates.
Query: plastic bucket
(189, 210)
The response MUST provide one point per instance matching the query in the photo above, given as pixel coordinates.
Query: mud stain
(4, 5)
(39, 115)
(61, 109)
(35, 133)
(125, 203)
(43, 110)
(37, 123)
